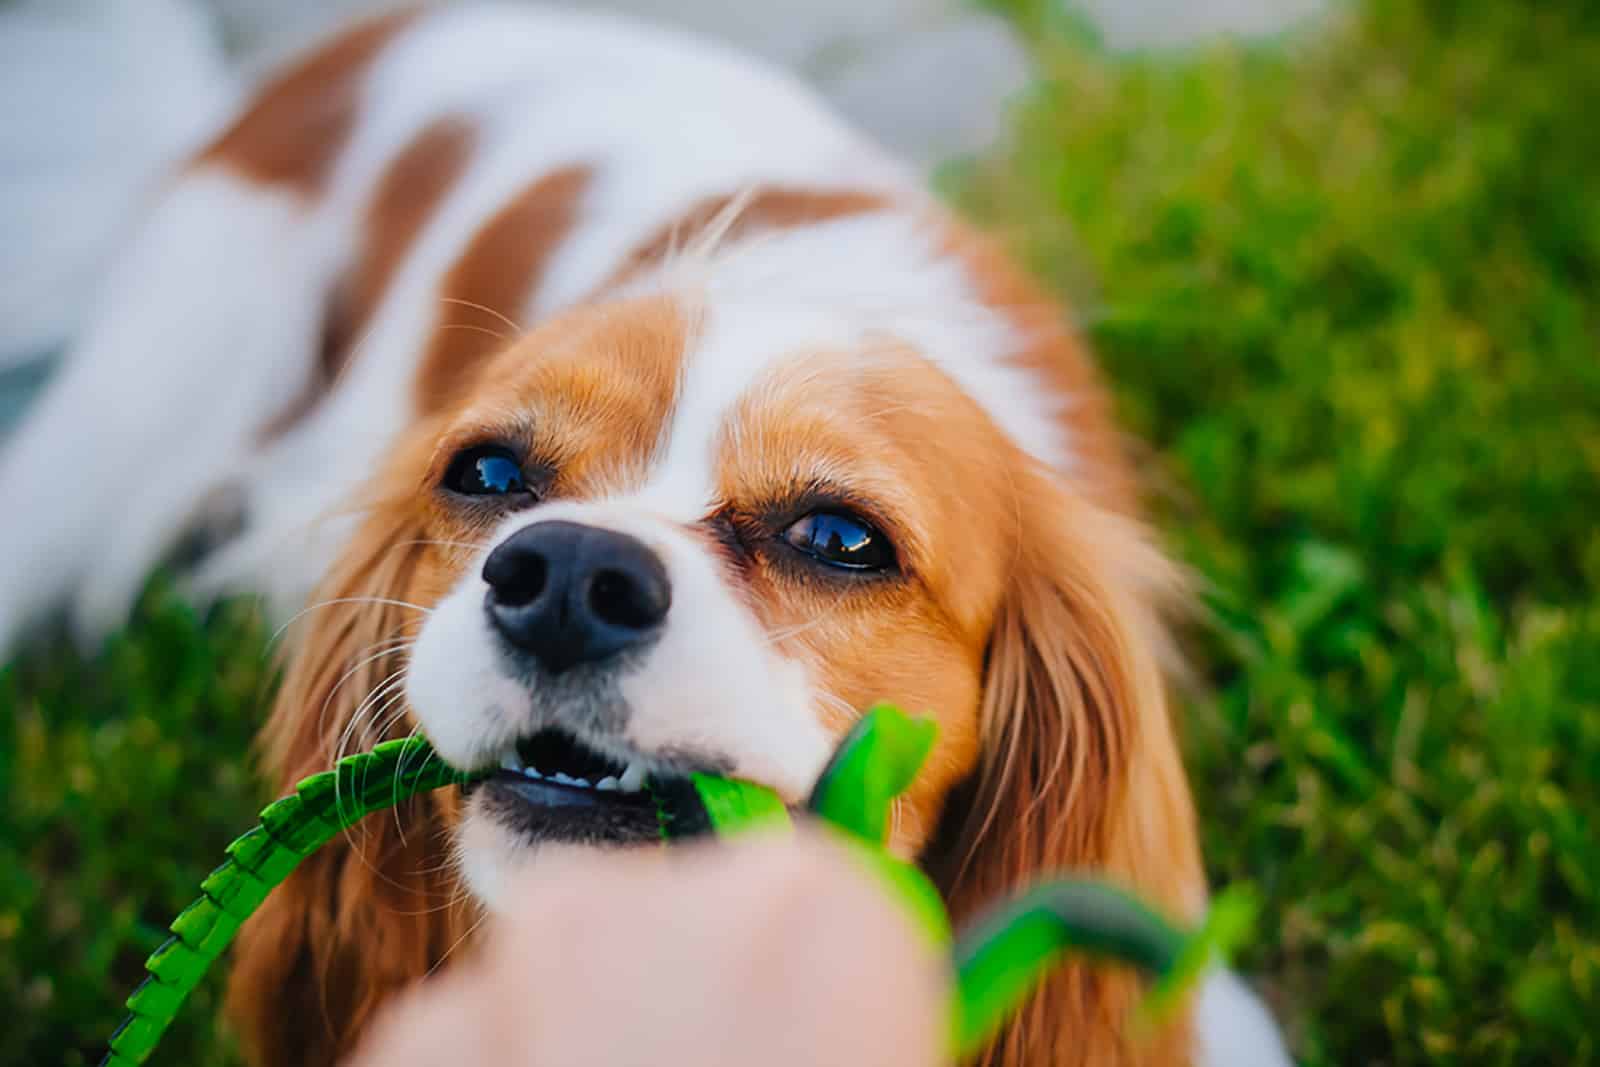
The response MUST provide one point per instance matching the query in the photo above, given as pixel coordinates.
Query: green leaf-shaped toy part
(876, 762)
(734, 806)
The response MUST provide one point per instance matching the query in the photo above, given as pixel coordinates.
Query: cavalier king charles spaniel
(602, 407)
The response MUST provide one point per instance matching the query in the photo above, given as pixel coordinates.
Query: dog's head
(700, 525)
(678, 536)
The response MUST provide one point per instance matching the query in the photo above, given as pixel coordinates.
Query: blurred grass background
(1348, 288)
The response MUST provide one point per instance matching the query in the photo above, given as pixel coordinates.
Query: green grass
(1349, 290)
(123, 781)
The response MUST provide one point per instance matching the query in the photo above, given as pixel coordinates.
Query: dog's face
(652, 547)
(702, 529)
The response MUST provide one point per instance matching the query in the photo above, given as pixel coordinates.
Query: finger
(771, 951)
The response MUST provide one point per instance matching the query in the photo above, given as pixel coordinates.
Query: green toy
(997, 961)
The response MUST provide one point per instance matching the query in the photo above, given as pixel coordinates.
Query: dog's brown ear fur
(1079, 770)
(376, 909)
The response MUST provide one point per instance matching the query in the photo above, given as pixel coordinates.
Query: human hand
(777, 951)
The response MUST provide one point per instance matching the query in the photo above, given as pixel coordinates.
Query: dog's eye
(485, 470)
(841, 540)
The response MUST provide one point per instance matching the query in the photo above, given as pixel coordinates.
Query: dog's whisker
(399, 774)
(777, 637)
(335, 601)
(475, 328)
(379, 717)
(474, 545)
(822, 617)
(456, 944)
(342, 749)
(375, 694)
(392, 647)
(455, 900)
(848, 710)
(516, 330)
(394, 713)
(446, 864)
(361, 855)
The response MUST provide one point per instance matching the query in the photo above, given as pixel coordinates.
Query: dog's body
(804, 441)
(285, 296)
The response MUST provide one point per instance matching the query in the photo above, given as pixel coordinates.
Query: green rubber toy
(996, 962)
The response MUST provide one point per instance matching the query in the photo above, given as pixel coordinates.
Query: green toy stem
(292, 828)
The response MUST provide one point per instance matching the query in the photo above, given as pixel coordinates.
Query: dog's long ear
(1079, 770)
(374, 910)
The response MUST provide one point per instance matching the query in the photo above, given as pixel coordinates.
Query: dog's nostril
(516, 574)
(523, 584)
(623, 600)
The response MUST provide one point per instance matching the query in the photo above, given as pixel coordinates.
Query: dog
(598, 404)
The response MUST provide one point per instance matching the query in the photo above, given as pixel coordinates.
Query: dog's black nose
(571, 594)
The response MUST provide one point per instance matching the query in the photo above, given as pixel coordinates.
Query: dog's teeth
(563, 779)
(632, 779)
(606, 784)
(581, 781)
(532, 772)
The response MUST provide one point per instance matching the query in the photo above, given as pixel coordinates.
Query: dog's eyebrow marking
(302, 118)
(486, 289)
(407, 195)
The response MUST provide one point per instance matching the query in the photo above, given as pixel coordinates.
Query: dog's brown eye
(485, 470)
(841, 540)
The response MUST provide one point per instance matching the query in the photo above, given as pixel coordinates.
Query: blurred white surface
(100, 95)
